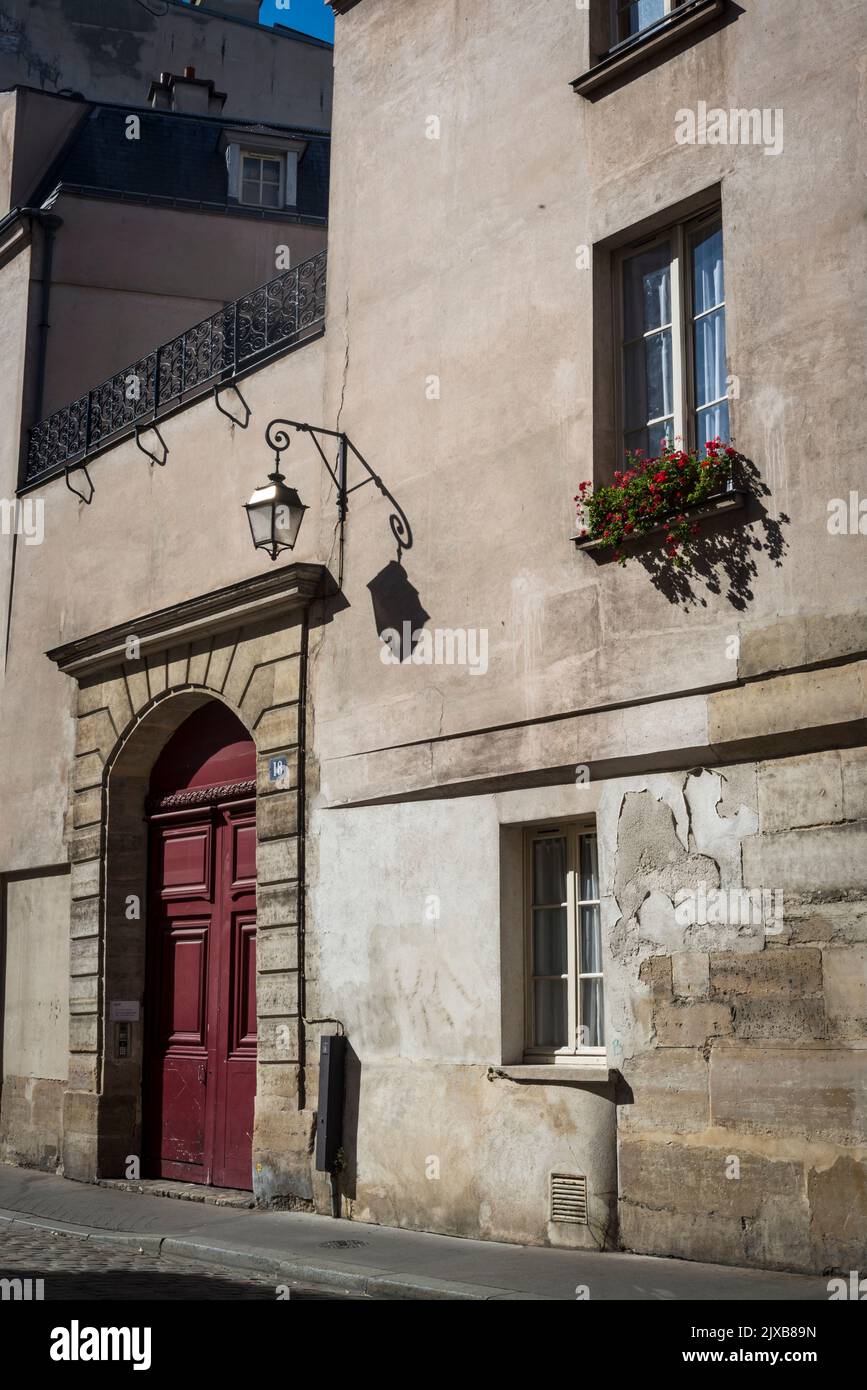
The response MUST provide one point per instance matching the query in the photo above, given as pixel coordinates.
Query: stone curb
(321, 1275)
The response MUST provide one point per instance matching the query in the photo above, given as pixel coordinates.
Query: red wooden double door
(200, 1046)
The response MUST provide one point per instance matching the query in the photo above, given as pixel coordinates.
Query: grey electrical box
(329, 1121)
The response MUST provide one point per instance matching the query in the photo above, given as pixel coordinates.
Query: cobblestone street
(75, 1269)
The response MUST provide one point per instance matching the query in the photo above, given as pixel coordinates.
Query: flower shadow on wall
(725, 560)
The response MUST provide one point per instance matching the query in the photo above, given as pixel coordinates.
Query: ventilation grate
(569, 1198)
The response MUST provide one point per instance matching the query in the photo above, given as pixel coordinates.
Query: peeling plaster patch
(669, 789)
(656, 922)
(717, 836)
(651, 854)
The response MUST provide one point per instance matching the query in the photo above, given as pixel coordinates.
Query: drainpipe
(49, 222)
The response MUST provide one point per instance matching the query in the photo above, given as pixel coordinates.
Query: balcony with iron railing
(285, 312)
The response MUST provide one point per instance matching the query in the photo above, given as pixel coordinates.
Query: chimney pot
(189, 72)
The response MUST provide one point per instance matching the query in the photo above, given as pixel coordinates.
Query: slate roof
(177, 156)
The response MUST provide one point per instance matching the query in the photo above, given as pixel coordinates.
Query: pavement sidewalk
(380, 1261)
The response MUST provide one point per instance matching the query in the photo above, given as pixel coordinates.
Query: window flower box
(668, 495)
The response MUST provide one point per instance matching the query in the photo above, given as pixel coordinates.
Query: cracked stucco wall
(743, 1042)
(739, 1128)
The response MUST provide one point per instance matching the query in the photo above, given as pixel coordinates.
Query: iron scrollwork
(265, 321)
(278, 439)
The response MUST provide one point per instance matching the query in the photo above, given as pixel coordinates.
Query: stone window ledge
(599, 1075)
(632, 53)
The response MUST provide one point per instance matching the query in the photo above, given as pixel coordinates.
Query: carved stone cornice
(193, 797)
(290, 588)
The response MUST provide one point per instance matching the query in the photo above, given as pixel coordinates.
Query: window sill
(721, 502)
(599, 1074)
(630, 54)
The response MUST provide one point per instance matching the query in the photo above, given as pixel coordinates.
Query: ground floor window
(564, 1005)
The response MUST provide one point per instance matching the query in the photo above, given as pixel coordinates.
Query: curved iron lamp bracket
(278, 439)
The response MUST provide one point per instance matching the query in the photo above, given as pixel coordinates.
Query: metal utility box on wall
(329, 1121)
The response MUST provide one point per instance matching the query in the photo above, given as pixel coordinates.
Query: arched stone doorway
(199, 1029)
(243, 647)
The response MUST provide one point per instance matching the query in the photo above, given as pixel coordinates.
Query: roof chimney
(190, 94)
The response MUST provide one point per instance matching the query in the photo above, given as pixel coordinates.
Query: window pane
(647, 291)
(550, 946)
(549, 870)
(590, 941)
(634, 385)
(713, 423)
(657, 353)
(708, 287)
(637, 15)
(251, 168)
(592, 1027)
(710, 357)
(250, 191)
(648, 385)
(637, 439)
(589, 885)
(551, 1025)
(270, 171)
(270, 195)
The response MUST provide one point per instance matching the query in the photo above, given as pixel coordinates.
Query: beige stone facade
(711, 728)
(250, 658)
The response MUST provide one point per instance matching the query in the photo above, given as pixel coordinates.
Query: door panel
(187, 857)
(238, 1097)
(200, 1064)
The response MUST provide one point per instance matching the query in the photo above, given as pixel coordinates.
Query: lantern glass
(275, 513)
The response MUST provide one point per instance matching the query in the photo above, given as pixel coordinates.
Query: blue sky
(311, 16)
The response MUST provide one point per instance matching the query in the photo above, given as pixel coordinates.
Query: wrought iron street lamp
(275, 512)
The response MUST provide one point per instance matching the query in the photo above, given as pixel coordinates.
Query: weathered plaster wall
(127, 278)
(736, 1038)
(34, 995)
(406, 953)
(744, 1043)
(14, 301)
(152, 536)
(136, 548)
(464, 270)
(111, 50)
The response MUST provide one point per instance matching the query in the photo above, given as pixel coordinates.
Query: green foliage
(654, 492)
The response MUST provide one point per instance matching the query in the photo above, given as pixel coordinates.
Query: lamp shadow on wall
(397, 609)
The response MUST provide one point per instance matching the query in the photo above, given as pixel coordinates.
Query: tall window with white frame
(673, 380)
(631, 17)
(564, 1004)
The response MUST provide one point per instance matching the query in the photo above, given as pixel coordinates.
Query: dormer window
(262, 167)
(262, 180)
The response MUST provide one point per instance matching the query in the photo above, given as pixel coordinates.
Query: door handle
(203, 1074)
